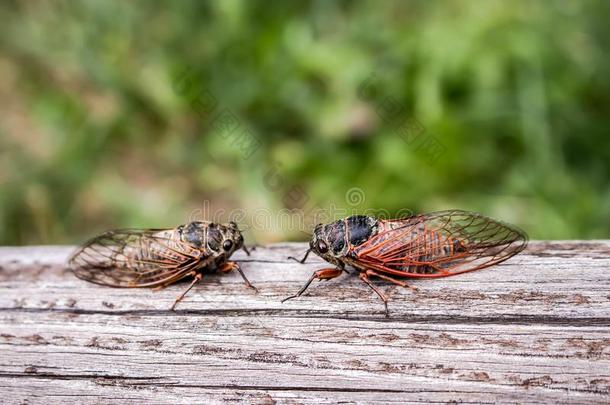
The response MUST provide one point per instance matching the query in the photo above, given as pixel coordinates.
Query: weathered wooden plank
(535, 329)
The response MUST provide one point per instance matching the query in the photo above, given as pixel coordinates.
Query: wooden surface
(533, 329)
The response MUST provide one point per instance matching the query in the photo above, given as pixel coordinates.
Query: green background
(112, 113)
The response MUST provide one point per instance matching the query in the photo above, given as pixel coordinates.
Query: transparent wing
(440, 244)
(135, 258)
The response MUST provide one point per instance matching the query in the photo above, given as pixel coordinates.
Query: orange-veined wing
(440, 244)
(135, 258)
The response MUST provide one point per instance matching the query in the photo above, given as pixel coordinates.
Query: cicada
(438, 244)
(135, 258)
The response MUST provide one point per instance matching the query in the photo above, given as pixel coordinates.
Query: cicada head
(234, 240)
(333, 241)
(329, 241)
(218, 239)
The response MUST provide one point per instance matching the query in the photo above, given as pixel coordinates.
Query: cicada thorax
(346, 234)
(335, 242)
(211, 239)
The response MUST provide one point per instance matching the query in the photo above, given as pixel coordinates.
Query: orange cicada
(433, 245)
(135, 258)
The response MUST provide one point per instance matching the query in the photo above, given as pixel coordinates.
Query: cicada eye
(322, 246)
(227, 245)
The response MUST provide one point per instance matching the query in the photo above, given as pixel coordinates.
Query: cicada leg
(197, 278)
(364, 277)
(172, 281)
(390, 279)
(230, 266)
(303, 259)
(248, 250)
(322, 274)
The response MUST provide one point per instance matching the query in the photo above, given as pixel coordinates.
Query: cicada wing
(441, 244)
(135, 258)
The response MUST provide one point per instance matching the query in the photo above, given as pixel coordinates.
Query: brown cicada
(438, 244)
(134, 258)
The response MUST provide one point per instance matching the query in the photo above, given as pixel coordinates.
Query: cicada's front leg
(300, 260)
(322, 274)
(230, 266)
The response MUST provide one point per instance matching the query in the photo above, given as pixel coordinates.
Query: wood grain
(533, 329)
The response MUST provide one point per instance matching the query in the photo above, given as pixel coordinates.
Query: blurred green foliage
(99, 131)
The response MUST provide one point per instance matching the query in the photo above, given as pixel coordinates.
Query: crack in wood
(300, 313)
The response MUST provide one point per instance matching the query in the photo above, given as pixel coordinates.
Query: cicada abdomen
(441, 244)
